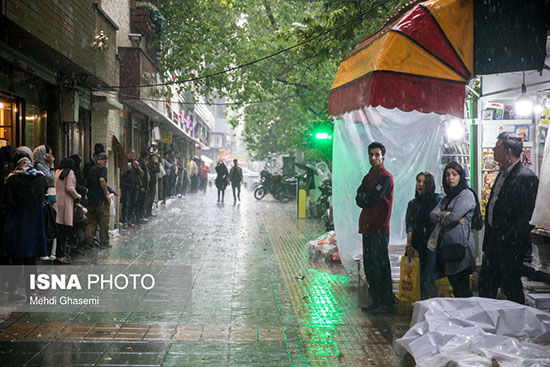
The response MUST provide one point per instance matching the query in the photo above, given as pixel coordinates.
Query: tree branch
(270, 14)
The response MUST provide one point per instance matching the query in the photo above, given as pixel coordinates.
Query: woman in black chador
(221, 179)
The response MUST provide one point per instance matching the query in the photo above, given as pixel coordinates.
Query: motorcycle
(323, 202)
(328, 218)
(282, 188)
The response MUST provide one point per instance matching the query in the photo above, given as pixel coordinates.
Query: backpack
(477, 219)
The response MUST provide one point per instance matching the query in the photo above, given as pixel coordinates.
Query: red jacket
(375, 217)
(203, 171)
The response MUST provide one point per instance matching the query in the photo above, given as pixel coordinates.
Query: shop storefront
(406, 85)
(23, 115)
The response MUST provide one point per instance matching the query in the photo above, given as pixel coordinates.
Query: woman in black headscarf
(419, 226)
(456, 240)
(80, 181)
(221, 178)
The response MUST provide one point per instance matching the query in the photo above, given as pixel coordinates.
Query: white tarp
(541, 214)
(464, 332)
(412, 141)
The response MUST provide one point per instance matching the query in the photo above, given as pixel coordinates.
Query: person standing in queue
(66, 194)
(98, 202)
(456, 239)
(375, 197)
(507, 230)
(419, 227)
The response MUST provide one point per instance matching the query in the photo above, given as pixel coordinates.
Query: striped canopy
(421, 61)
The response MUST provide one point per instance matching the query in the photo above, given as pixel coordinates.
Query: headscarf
(25, 149)
(422, 203)
(39, 154)
(7, 153)
(67, 165)
(77, 160)
(452, 192)
(23, 165)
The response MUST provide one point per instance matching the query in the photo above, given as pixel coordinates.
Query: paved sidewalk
(254, 300)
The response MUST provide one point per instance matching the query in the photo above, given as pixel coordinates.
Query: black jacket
(512, 211)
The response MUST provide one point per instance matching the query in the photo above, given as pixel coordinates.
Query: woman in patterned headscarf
(43, 159)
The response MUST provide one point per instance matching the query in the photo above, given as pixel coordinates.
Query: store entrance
(10, 113)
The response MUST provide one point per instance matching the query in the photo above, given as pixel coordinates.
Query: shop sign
(166, 137)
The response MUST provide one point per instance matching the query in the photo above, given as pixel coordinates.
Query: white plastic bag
(112, 211)
(472, 331)
(323, 248)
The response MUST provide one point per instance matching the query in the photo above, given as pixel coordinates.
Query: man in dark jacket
(375, 197)
(98, 202)
(144, 186)
(236, 177)
(98, 148)
(507, 229)
(154, 169)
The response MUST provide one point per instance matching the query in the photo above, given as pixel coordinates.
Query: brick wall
(69, 27)
(119, 11)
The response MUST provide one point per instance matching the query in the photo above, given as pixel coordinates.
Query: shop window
(34, 126)
(8, 117)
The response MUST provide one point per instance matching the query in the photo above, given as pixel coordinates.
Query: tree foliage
(206, 37)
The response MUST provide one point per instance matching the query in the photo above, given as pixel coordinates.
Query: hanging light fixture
(455, 130)
(524, 104)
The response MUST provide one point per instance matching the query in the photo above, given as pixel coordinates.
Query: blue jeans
(428, 289)
(376, 263)
(128, 202)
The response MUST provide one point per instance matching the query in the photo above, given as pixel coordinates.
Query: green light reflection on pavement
(325, 312)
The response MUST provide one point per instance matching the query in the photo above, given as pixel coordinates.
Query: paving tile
(47, 330)
(18, 330)
(77, 330)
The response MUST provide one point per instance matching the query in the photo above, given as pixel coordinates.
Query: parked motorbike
(328, 218)
(323, 201)
(282, 188)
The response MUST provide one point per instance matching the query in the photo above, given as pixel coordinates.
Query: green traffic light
(323, 136)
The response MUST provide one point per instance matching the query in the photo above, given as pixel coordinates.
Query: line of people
(440, 228)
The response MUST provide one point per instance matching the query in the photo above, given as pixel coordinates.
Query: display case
(490, 129)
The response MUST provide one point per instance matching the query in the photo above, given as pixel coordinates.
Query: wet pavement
(254, 299)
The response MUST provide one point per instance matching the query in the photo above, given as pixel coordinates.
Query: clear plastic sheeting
(541, 214)
(412, 141)
(477, 332)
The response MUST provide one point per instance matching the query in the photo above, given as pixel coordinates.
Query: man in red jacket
(375, 197)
